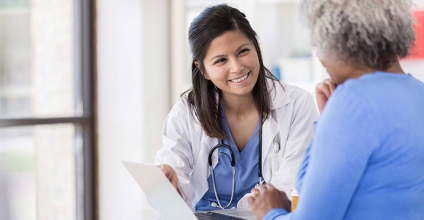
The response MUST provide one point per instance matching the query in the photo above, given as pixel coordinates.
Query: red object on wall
(418, 51)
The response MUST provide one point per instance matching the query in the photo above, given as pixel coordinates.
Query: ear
(198, 67)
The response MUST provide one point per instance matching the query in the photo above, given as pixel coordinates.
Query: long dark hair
(210, 23)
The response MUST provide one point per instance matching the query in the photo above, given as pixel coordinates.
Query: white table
(141, 215)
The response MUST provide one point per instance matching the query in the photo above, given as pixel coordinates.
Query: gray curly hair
(371, 33)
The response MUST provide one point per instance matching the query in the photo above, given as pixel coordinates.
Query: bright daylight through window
(45, 116)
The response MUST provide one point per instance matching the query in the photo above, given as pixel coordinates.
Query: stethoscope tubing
(220, 144)
(233, 169)
(233, 164)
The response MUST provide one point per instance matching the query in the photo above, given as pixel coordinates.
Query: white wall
(133, 96)
(180, 77)
(135, 90)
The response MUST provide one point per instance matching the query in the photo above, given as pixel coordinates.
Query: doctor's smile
(240, 80)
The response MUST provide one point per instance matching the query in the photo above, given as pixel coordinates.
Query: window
(46, 110)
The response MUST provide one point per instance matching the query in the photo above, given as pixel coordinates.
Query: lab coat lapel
(270, 130)
(271, 126)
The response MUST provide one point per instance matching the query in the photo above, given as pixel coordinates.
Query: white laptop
(166, 200)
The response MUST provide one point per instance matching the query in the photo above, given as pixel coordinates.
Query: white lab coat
(286, 135)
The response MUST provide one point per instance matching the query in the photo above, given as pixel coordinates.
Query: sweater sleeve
(274, 214)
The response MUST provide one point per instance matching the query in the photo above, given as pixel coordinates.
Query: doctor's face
(232, 64)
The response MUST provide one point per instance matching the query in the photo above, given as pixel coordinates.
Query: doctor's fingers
(174, 180)
(170, 174)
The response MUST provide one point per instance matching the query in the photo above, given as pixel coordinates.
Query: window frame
(84, 121)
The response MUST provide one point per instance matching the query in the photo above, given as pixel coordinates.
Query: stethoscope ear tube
(233, 161)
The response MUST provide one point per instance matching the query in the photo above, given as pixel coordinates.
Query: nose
(236, 66)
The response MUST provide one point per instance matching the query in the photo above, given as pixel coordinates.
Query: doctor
(238, 125)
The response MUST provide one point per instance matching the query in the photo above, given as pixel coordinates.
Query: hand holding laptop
(170, 174)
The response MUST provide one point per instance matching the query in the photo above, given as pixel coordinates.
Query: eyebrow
(218, 56)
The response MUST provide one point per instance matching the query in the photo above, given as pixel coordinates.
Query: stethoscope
(233, 164)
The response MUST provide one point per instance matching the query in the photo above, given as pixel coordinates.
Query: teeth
(239, 79)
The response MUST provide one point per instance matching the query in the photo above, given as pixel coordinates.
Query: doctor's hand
(170, 174)
(267, 197)
(323, 92)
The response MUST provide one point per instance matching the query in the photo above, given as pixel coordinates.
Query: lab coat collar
(282, 99)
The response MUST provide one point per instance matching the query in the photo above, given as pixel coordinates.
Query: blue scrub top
(246, 166)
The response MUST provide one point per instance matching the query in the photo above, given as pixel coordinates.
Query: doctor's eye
(244, 51)
(220, 60)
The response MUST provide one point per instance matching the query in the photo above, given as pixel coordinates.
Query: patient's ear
(203, 74)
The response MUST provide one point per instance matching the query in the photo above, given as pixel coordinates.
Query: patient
(366, 160)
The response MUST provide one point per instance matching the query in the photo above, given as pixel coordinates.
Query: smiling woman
(237, 107)
(231, 63)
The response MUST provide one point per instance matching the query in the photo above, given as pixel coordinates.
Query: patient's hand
(323, 92)
(170, 174)
(267, 197)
